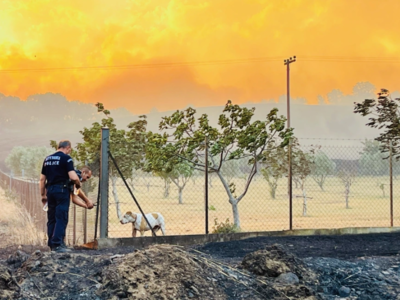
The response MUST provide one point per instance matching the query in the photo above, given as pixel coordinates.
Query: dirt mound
(159, 272)
(8, 287)
(274, 261)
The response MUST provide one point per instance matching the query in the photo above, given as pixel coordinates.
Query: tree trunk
(115, 195)
(272, 190)
(347, 192)
(304, 202)
(180, 190)
(232, 201)
(235, 210)
(320, 182)
(166, 188)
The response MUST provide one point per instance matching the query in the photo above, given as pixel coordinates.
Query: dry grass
(258, 212)
(17, 227)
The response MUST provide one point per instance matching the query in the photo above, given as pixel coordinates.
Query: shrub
(226, 227)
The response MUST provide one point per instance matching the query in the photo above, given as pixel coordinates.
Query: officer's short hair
(64, 144)
(86, 169)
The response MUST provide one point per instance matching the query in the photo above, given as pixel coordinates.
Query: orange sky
(59, 34)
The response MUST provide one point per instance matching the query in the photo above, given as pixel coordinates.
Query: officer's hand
(89, 204)
(44, 200)
(78, 185)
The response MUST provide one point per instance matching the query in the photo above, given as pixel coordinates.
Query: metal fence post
(206, 184)
(391, 184)
(105, 137)
(85, 217)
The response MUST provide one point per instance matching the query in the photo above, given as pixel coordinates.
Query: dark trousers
(58, 199)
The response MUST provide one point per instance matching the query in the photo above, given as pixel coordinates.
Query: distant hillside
(51, 116)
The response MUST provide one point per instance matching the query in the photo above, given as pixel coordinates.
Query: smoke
(44, 34)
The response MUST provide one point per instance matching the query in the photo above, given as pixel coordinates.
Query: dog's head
(129, 217)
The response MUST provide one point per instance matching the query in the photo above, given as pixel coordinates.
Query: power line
(210, 63)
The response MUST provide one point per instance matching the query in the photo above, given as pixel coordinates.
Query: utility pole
(287, 62)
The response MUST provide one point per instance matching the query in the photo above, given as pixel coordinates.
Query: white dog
(139, 223)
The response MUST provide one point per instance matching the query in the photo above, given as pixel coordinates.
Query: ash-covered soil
(362, 267)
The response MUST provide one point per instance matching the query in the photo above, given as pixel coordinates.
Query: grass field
(258, 211)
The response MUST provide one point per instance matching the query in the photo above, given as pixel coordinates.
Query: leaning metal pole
(130, 192)
(206, 184)
(391, 183)
(105, 137)
(287, 62)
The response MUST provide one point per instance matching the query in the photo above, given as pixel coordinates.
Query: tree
(13, 160)
(347, 176)
(384, 114)
(170, 168)
(238, 137)
(372, 160)
(276, 167)
(302, 163)
(180, 175)
(126, 146)
(322, 167)
(27, 161)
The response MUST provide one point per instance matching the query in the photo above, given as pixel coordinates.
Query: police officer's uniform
(56, 168)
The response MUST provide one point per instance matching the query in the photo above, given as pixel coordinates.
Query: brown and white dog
(139, 223)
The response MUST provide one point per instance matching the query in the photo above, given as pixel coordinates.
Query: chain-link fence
(25, 194)
(334, 186)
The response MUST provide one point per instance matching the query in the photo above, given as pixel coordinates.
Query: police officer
(57, 171)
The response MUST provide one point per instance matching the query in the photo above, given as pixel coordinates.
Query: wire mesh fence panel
(25, 194)
(396, 193)
(81, 225)
(27, 210)
(262, 208)
(345, 187)
(180, 201)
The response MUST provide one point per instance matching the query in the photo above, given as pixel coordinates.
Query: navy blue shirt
(56, 167)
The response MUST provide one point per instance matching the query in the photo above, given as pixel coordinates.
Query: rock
(287, 279)
(17, 258)
(190, 295)
(344, 291)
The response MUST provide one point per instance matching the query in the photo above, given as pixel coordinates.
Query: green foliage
(237, 137)
(226, 227)
(322, 167)
(276, 164)
(212, 208)
(126, 146)
(373, 161)
(27, 160)
(383, 114)
(275, 167)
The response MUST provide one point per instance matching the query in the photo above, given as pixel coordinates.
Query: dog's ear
(129, 213)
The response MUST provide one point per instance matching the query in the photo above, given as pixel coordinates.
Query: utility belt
(61, 184)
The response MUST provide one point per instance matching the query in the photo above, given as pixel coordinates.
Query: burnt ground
(342, 247)
(362, 267)
(368, 265)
